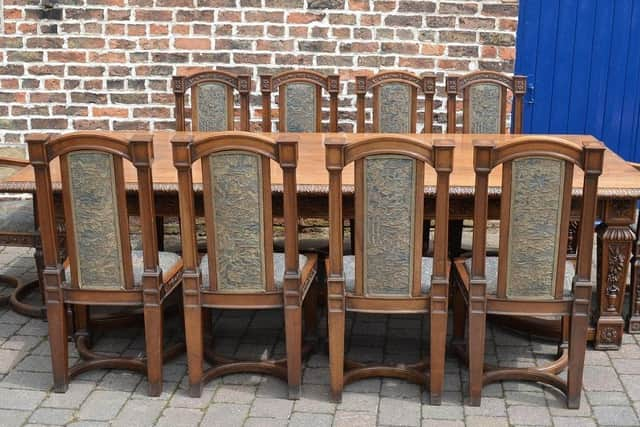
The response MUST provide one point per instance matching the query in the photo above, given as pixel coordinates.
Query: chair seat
(16, 216)
(349, 263)
(278, 268)
(491, 271)
(170, 264)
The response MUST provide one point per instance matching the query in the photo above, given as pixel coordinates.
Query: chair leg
(310, 312)
(160, 232)
(577, 349)
(57, 319)
(293, 332)
(153, 327)
(437, 357)
(459, 316)
(475, 350)
(336, 352)
(195, 352)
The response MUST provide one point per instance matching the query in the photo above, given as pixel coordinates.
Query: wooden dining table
(618, 193)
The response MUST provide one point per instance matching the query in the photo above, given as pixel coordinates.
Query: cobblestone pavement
(102, 398)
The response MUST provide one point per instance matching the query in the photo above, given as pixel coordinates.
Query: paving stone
(489, 407)
(28, 380)
(73, 398)
(370, 385)
(139, 413)
(483, 421)
(443, 412)
(301, 419)
(264, 422)
(632, 385)
(51, 416)
(102, 405)
(225, 414)
(574, 422)
(529, 415)
(243, 379)
(88, 424)
(399, 412)
(314, 399)
(12, 418)
(353, 419)
(557, 403)
(607, 398)
(20, 399)
(35, 327)
(36, 364)
(524, 398)
(142, 391)
(441, 423)
(399, 389)
(316, 376)
(273, 387)
(181, 399)
(234, 394)
(8, 359)
(180, 417)
(271, 408)
(359, 402)
(8, 329)
(615, 416)
(21, 343)
(120, 381)
(627, 366)
(599, 378)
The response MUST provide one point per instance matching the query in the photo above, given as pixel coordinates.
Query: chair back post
(287, 147)
(244, 88)
(178, 92)
(333, 86)
(265, 89)
(452, 95)
(592, 167)
(361, 91)
(335, 273)
(443, 164)
(429, 90)
(519, 90)
(482, 164)
(182, 161)
(141, 152)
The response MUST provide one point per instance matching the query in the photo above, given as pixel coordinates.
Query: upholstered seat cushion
(16, 216)
(349, 263)
(491, 271)
(169, 263)
(278, 268)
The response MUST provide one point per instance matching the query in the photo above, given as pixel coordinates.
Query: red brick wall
(107, 64)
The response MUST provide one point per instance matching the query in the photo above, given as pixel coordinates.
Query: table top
(618, 180)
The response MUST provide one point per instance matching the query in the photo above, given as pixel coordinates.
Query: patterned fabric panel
(491, 272)
(389, 183)
(349, 263)
(395, 108)
(168, 261)
(485, 104)
(536, 208)
(278, 268)
(95, 220)
(212, 107)
(237, 209)
(300, 107)
(16, 216)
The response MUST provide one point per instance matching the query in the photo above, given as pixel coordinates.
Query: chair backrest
(395, 99)
(95, 206)
(485, 100)
(535, 207)
(389, 205)
(236, 173)
(300, 100)
(212, 100)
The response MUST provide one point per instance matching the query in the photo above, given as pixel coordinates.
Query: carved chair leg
(57, 319)
(80, 316)
(193, 319)
(153, 326)
(577, 349)
(475, 349)
(438, 341)
(336, 319)
(293, 332)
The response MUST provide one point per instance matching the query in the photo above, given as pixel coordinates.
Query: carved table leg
(634, 320)
(615, 240)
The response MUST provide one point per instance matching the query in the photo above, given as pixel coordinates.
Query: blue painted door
(582, 59)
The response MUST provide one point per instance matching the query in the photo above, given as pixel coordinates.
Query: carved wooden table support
(634, 319)
(615, 240)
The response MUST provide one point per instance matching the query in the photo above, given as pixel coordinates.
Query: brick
(417, 6)
(85, 43)
(500, 9)
(49, 124)
(406, 48)
(225, 414)
(325, 4)
(468, 23)
(317, 46)
(466, 8)
(43, 43)
(193, 43)
(304, 18)
(403, 21)
(398, 412)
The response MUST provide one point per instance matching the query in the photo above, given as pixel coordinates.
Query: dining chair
(387, 274)
(485, 98)
(212, 100)
(531, 275)
(240, 269)
(101, 268)
(395, 101)
(299, 100)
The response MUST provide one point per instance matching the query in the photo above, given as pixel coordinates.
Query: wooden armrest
(12, 161)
